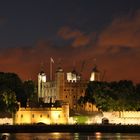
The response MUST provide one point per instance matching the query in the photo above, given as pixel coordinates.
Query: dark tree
(117, 96)
(30, 90)
(11, 82)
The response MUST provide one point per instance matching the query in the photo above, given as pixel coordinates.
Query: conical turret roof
(95, 69)
(59, 69)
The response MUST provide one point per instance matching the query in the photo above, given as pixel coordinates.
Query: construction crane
(103, 75)
(82, 66)
(85, 62)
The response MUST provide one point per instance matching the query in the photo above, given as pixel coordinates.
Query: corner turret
(95, 74)
(41, 80)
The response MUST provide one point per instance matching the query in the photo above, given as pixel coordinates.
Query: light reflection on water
(74, 136)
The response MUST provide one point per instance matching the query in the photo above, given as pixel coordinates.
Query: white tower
(41, 81)
(95, 74)
(73, 76)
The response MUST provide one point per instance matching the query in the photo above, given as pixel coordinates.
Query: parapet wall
(123, 114)
(129, 114)
(123, 117)
(6, 121)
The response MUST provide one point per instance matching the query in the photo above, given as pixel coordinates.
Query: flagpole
(51, 68)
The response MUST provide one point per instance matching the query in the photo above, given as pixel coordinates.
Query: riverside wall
(123, 117)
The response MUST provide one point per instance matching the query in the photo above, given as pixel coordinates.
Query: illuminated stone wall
(41, 80)
(90, 107)
(129, 114)
(123, 117)
(87, 107)
(123, 114)
(73, 91)
(6, 120)
(51, 115)
(49, 90)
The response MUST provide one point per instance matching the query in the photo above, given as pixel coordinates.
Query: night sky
(101, 32)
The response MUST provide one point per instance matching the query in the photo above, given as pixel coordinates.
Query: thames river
(74, 136)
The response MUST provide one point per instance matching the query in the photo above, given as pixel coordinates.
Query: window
(21, 116)
(33, 115)
(41, 116)
(66, 96)
(48, 116)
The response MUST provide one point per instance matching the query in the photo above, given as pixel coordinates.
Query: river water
(74, 136)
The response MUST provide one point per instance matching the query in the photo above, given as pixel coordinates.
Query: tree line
(121, 95)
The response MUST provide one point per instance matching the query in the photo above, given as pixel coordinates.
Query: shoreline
(103, 128)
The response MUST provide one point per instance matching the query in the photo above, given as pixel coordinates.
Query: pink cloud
(79, 39)
(123, 31)
(67, 33)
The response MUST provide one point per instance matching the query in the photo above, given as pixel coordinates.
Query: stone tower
(59, 78)
(41, 81)
(95, 74)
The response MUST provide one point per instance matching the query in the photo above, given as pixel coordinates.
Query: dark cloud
(67, 33)
(116, 49)
(79, 38)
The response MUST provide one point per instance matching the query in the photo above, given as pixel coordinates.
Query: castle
(68, 89)
(58, 97)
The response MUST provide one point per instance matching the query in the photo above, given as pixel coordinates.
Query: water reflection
(74, 136)
(98, 135)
